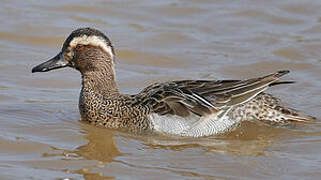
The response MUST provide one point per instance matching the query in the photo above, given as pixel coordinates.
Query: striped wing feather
(204, 97)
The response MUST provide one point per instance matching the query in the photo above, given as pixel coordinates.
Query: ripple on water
(41, 136)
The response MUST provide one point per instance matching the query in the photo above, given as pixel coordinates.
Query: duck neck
(100, 82)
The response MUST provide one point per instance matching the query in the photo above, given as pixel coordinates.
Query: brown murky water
(41, 136)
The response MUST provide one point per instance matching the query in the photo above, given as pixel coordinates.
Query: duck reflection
(101, 145)
(254, 142)
(249, 139)
(100, 150)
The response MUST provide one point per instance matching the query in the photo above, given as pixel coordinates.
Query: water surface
(41, 136)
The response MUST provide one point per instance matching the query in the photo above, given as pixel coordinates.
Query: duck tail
(275, 111)
(288, 114)
(266, 108)
(291, 115)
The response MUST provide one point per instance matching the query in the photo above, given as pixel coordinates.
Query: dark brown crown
(86, 32)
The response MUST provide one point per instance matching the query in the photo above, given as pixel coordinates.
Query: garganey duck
(185, 107)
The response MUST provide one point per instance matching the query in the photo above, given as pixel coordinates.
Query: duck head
(85, 49)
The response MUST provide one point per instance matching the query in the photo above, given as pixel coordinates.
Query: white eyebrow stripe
(92, 40)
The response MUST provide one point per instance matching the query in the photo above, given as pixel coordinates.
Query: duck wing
(198, 108)
(204, 97)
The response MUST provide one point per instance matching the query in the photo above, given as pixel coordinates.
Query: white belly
(193, 126)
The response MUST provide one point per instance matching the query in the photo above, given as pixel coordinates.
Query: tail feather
(266, 108)
(293, 115)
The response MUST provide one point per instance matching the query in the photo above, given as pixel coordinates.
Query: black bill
(54, 63)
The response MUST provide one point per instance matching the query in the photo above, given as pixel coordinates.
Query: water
(41, 136)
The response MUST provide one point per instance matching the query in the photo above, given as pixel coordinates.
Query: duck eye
(79, 46)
